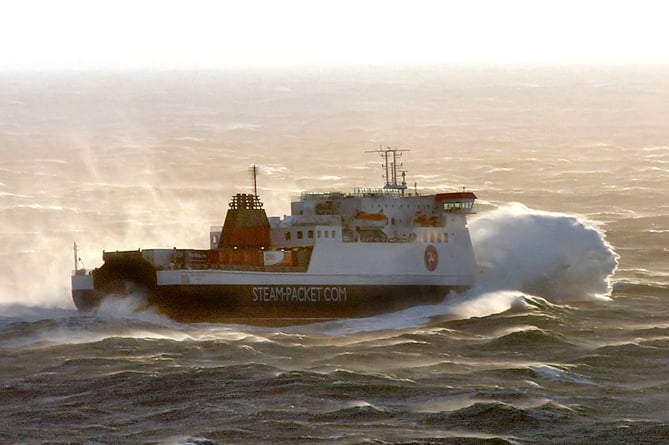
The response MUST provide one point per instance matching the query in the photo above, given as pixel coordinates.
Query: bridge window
(288, 236)
(300, 235)
(456, 205)
(310, 234)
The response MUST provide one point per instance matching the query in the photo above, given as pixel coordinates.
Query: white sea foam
(557, 256)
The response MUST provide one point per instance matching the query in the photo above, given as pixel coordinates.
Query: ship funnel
(246, 224)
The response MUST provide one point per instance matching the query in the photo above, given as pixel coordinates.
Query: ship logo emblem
(431, 258)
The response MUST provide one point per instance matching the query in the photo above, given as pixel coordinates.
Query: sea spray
(554, 255)
(523, 253)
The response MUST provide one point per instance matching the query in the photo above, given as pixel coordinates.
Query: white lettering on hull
(298, 294)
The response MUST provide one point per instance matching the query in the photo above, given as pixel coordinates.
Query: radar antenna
(390, 156)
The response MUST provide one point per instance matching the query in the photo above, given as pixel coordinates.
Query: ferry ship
(337, 255)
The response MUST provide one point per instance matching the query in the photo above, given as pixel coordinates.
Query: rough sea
(564, 339)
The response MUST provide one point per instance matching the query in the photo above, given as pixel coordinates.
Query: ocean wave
(525, 339)
(643, 287)
(557, 256)
(554, 373)
(498, 418)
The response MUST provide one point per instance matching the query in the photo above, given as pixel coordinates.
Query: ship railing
(367, 192)
(358, 192)
(306, 196)
(236, 267)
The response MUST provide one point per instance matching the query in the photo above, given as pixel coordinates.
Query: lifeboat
(422, 220)
(366, 220)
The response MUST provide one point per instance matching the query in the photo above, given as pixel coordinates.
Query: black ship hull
(273, 305)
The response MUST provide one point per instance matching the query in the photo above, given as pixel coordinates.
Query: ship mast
(253, 170)
(390, 156)
(77, 261)
(76, 258)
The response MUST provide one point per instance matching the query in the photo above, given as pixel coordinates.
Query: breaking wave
(557, 256)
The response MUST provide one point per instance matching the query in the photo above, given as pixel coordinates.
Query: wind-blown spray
(557, 256)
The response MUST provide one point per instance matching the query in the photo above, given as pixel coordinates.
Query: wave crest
(558, 256)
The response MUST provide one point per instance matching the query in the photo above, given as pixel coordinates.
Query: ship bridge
(461, 202)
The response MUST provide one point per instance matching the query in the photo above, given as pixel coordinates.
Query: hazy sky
(39, 34)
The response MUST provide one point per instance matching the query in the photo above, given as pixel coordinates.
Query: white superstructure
(336, 255)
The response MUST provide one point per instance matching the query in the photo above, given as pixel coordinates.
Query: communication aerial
(253, 171)
(391, 165)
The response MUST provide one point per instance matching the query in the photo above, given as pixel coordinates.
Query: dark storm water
(564, 340)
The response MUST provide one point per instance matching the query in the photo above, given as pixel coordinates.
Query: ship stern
(84, 295)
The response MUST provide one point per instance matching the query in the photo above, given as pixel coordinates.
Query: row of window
(401, 206)
(468, 205)
(428, 237)
(432, 237)
(310, 234)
